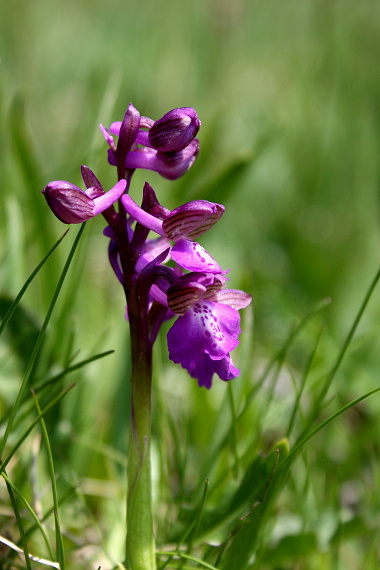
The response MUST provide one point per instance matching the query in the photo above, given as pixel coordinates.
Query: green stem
(140, 539)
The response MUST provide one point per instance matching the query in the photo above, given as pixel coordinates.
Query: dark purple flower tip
(72, 205)
(151, 204)
(128, 132)
(89, 179)
(175, 130)
(192, 219)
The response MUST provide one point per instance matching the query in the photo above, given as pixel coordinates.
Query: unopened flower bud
(183, 223)
(175, 130)
(192, 219)
(72, 205)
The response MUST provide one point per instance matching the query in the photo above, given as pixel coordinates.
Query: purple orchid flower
(208, 324)
(207, 331)
(208, 328)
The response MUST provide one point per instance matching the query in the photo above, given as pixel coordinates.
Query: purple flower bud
(188, 221)
(128, 132)
(72, 205)
(167, 146)
(192, 219)
(175, 130)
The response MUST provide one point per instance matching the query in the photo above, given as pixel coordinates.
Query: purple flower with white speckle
(207, 331)
(208, 324)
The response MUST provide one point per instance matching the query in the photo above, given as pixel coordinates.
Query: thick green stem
(140, 539)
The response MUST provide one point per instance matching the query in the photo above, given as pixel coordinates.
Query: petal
(187, 289)
(202, 338)
(170, 165)
(233, 297)
(127, 135)
(106, 200)
(181, 297)
(115, 128)
(151, 250)
(191, 256)
(145, 219)
(176, 164)
(225, 368)
(107, 136)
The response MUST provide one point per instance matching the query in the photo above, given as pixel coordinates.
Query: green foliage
(288, 94)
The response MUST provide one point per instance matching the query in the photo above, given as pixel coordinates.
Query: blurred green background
(288, 93)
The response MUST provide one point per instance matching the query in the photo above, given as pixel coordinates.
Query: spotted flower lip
(72, 205)
(207, 330)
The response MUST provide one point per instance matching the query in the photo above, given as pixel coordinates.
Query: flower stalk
(140, 539)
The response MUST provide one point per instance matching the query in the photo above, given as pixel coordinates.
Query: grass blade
(20, 526)
(58, 535)
(179, 554)
(12, 308)
(34, 423)
(38, 344)
(319, 401)
(31, 511)
(299, 445)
